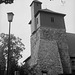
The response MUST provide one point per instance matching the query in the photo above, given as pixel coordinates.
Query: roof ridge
(49, 11)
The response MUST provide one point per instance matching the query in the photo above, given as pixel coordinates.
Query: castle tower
(49, 49)
(35, 6)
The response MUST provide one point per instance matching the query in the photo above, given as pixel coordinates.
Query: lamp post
(10, 18)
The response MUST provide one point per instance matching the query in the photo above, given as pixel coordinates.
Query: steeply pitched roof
(49, 11)
(71, 43)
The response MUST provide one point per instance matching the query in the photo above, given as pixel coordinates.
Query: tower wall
(35, 6)
(45, 20)
(49, 58)
(60, 36)
(49, 51)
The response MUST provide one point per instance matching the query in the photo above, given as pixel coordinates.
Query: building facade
(49, 48)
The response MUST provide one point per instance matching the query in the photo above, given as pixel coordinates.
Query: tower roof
(36, 1)
(49, 11)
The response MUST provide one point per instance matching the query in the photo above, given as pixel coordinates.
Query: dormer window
(52, 19)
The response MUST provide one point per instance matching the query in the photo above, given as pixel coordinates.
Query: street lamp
(10, 19)
(10, 16)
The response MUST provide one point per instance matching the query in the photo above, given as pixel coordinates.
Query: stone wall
(35, 41)
(49, 58)
(49, 51)
(60, 36)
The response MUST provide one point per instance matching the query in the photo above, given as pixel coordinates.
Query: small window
(52, 19)
(36, 20)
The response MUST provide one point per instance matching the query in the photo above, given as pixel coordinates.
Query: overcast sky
(22, 15)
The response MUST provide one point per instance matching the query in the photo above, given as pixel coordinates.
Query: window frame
(36, 21)
(52, 19)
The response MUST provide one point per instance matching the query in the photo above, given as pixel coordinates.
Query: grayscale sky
(22, 15)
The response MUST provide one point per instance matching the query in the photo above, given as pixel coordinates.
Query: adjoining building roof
(48, 11)
(71, 44)
(36, 1)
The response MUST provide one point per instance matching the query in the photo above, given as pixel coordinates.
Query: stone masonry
(49, 51)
